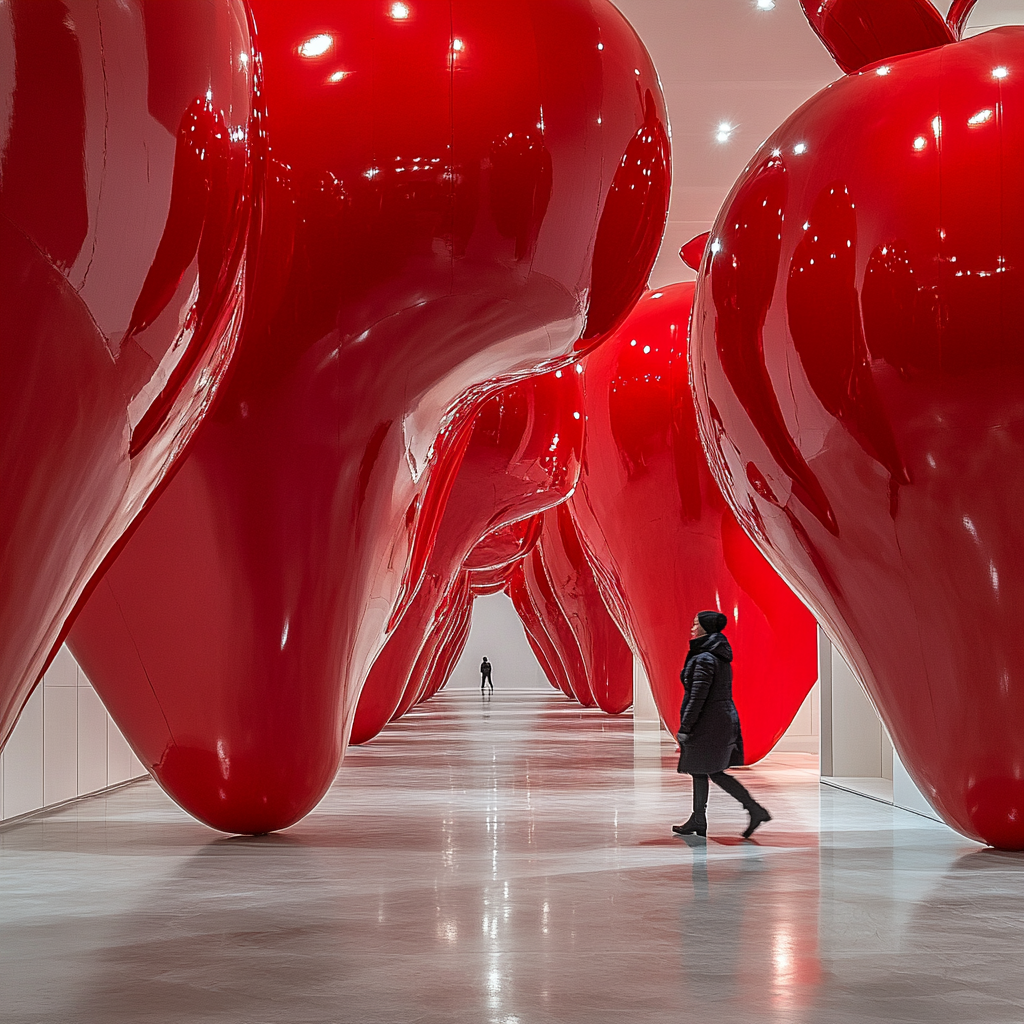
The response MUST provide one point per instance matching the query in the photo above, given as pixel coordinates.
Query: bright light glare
(338, 76)
(316, 46)
(399, 11)
(458, 45)
(724, 131)
(800, 147)
(999, 72)
(883, 70)
(766, 5)
(920, 142)
(980, 117)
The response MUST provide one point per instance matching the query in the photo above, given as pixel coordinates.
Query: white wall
(856, 747)
(64, 745)
(497, 632)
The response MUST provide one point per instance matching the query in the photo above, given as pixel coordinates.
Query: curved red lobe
(862, 32)
(97, 402)
(523, 456)
(607, 659)
(540, 643)
(693, 251)
(557, 630)
(661, 539)
(394, 291)
(897, 361)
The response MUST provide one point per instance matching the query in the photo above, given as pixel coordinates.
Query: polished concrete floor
(512, 862)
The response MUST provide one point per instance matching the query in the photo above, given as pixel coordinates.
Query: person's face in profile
(696, 629)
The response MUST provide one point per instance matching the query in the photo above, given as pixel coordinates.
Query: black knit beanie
(712, 622)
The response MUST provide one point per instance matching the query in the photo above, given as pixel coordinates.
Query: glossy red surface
(862, 32)
(456, 609)
(126, 208)
(607, 659)
(522, 457)
(454, 199)
(663, 543)
(536, 635)
(450, 651)
(858, 364)
(556, 631)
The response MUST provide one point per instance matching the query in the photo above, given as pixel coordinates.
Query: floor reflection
(510, 860)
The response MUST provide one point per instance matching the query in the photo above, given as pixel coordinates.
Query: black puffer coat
(709, 736)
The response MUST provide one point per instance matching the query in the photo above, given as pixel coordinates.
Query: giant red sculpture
(458, 194)
(544, 619)
(523, 457)
(127, 206)
(607, 659)
(664, 545)
(858, 367)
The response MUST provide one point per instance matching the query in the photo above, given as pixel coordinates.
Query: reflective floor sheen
(510, 862)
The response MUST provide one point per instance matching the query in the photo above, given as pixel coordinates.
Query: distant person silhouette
(485, 675)
(709, 736)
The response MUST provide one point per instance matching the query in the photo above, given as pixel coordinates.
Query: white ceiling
(727, 61)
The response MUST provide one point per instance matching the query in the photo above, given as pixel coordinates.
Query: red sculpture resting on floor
(662, 541)
(454, 200)
(858, 362)
(523, 456)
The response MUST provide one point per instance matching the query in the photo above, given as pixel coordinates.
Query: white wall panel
(92, 740)
(60, 743)
(23, 760)
(64, 745)
(119, 755)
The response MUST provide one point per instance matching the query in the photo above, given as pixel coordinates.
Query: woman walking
(709, 735)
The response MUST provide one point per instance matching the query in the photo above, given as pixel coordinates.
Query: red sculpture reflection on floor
(858, 362)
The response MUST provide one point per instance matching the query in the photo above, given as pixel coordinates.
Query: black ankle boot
(758, 816)
(694, 826)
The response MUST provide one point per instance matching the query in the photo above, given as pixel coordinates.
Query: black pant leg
(700, 795)
(734, 788)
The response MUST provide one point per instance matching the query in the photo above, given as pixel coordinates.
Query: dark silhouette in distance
(485, 675)
(710, 738)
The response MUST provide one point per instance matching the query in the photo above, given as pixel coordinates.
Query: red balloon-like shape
(523, 456)
(450, 650)
(536, 635)
(858, 363)
(663, 543)
(607, 659)
(454, 199)
(127, 205)
(557, 635)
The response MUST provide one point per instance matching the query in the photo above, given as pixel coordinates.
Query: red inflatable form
(487, 570)
(536, 635)
(607, 659)
(455, 614)
(450, 651)
(858, 365)
(556, 628)
(663, 543)
(127, 204)
(523, 456)
(458, 194)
